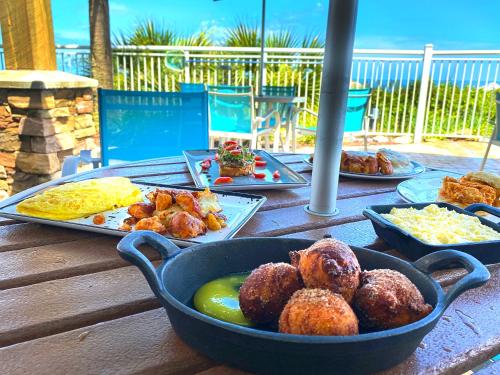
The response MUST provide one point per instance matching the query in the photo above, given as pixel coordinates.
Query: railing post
(264, 71)
(422, 96)
(187, 68)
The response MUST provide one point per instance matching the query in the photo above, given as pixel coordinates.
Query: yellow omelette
(79, 199)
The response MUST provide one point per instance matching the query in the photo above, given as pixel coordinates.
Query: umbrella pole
(262, 45)
(332, 106)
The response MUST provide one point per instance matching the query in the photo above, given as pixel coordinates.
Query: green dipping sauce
(220, 299)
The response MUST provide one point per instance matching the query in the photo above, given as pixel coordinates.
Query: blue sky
(448, 24)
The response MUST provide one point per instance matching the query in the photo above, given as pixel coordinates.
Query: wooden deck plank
(57, 261)
(295, 219)
(19, 236)
(359, 233)
(145, 343)
(55, 306)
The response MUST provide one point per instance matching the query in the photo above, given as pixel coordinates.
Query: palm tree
(100, 43)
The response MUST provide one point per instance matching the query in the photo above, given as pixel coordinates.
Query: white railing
(419, 93)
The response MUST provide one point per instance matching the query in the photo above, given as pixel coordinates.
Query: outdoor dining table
(70, 305)
(272, 101)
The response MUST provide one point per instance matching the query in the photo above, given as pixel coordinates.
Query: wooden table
(70, 305)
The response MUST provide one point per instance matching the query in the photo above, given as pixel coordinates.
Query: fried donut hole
(329, 264)
(266, 291)
(387, 299)
(318, 312)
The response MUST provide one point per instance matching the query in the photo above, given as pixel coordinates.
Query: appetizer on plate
(180, 213)
(475, 187)
(322, 292)
(80, 199)
(235, 160)
(382, 162)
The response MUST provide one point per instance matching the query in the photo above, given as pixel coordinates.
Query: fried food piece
(384, 163)
(188, 203)
(151, 223)
(318, 312)
(213, 223)
(184, 225)
(266, 291)
(163, 201)
(141, 210)
(99, 219)
(388, 299)
(466, 192)
(125, 227)
(488, 179)
(358, 162)
(329, 264)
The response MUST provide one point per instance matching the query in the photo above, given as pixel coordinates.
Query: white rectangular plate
(288, 178)
(237, 207)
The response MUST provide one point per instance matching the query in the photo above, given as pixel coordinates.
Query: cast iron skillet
(176, 280)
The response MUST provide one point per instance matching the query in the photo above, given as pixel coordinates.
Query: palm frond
(312, 41)
(281, 39)
(201, 39)
(243, 35)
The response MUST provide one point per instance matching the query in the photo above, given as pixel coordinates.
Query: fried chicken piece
(329, 264)
(384, 163)
(141, 210)
(388, 299)
(318, 312)
(466, 192)
(184, 225)
(266, 291)
(489, 193)
(188, 203)
(154, 194)
(358, 163)
(163, 201)
(151, 223)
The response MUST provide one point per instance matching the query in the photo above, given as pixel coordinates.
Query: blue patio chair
(136, 125)
(278, 90)
(232, 115)
(192, 87)
(230, 89)
(495, 137)
(355, 121)
(284, 109)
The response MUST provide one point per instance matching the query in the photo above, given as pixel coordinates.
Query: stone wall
(39, 127)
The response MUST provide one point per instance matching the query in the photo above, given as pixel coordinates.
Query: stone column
(44, 116)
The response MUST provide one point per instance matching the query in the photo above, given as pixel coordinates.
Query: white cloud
(214, 31)
(117, 7)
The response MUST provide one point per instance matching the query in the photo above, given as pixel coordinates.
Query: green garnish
(239, 157)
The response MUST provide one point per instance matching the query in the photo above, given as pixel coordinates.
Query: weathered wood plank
(138, 344)
(301, 196)
(295, 219)
(359, 233)
(19, 236)
(60, 305)
(145, 343)
(57, 261)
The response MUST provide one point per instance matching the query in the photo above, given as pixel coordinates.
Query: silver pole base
(335, 212)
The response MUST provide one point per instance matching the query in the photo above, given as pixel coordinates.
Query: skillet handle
(127, 248)
(477, 275)
(483, 207)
